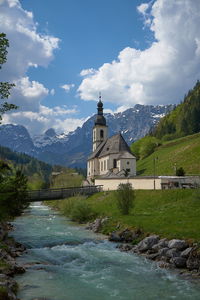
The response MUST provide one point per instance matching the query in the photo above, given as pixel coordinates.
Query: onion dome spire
(100, 120)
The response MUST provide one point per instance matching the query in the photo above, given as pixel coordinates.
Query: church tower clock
(100, 129)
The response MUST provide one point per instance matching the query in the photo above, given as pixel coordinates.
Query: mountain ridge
(72, 149)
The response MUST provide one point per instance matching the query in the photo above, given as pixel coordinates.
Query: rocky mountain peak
(50, 132)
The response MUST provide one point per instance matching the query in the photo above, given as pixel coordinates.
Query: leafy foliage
(145, 146)
(180, 172)
(183, 120)
(81, 212)
(4, 86)
(13, 192)
(125, 197)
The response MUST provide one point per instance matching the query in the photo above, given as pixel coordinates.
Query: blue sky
(63, 53)
(91, 33)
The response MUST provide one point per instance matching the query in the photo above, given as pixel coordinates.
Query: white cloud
(161, 74)
(52, 92)
(67, 87)
(87, 72)
(28, 48)
(45, 118)
(142, 8)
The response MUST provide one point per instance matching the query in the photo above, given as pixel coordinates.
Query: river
(67, 262)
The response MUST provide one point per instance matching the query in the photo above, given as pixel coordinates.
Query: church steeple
(100, 130)
(100, 120)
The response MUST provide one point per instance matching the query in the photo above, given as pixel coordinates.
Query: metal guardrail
(61, 193)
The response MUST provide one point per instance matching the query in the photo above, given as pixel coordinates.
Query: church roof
(97, 151)
(114, 145)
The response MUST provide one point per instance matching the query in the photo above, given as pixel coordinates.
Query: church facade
(111, 157)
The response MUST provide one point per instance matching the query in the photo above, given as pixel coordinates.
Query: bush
(180, 172)
(145, 146)
(125, 197)
(81, 212)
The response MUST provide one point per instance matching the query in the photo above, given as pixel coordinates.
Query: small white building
(110, 155)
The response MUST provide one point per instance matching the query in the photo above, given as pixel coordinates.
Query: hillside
(183, 120)
(38, 172)
(183, 152)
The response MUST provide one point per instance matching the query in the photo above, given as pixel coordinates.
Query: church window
(114, 163)
(127, 162)
(101, 134)
(101, 166)
(107, 149)
(104, 165)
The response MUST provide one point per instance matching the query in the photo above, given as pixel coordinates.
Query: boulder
(152, 256)
(172, 253)
(178, 244)
(163, 251)
(179, 262)
(147, 243)
(115, 237)
(186, 252)
(193, 262)
(125, 247)
(128, 235)
(163, 243)
(97, 225)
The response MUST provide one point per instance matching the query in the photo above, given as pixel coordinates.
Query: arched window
(101, 133)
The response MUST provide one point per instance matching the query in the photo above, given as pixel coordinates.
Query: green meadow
(183, 152)
(169, 213)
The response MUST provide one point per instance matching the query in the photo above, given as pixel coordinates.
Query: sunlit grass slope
(183, 152)
(169, 213)
(66, 178)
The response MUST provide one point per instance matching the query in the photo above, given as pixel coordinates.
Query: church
(111, 157)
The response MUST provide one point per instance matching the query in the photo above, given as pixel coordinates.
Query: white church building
(111, 163)
(111, 157)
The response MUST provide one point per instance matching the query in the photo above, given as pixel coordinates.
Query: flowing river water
(67, 262)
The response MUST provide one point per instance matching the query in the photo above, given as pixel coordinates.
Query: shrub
(81, 212)
(125, 197)
(180, 172)
(145, 146)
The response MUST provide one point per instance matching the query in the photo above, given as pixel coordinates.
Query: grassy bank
(183, 152)
(169, 213)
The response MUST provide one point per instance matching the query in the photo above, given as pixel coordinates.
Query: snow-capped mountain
(17, 138)
(72, 149)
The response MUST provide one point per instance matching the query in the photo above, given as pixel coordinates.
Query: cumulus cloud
(67, 87)
(28, 48)
(44, 118)
(161, 74)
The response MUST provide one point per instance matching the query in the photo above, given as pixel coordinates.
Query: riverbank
(65, 261)
(161, 225)
(181, 255)
(9, 251)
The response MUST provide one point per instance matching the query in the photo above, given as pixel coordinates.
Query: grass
(67, 179)
(169, 213)
(184, 152)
